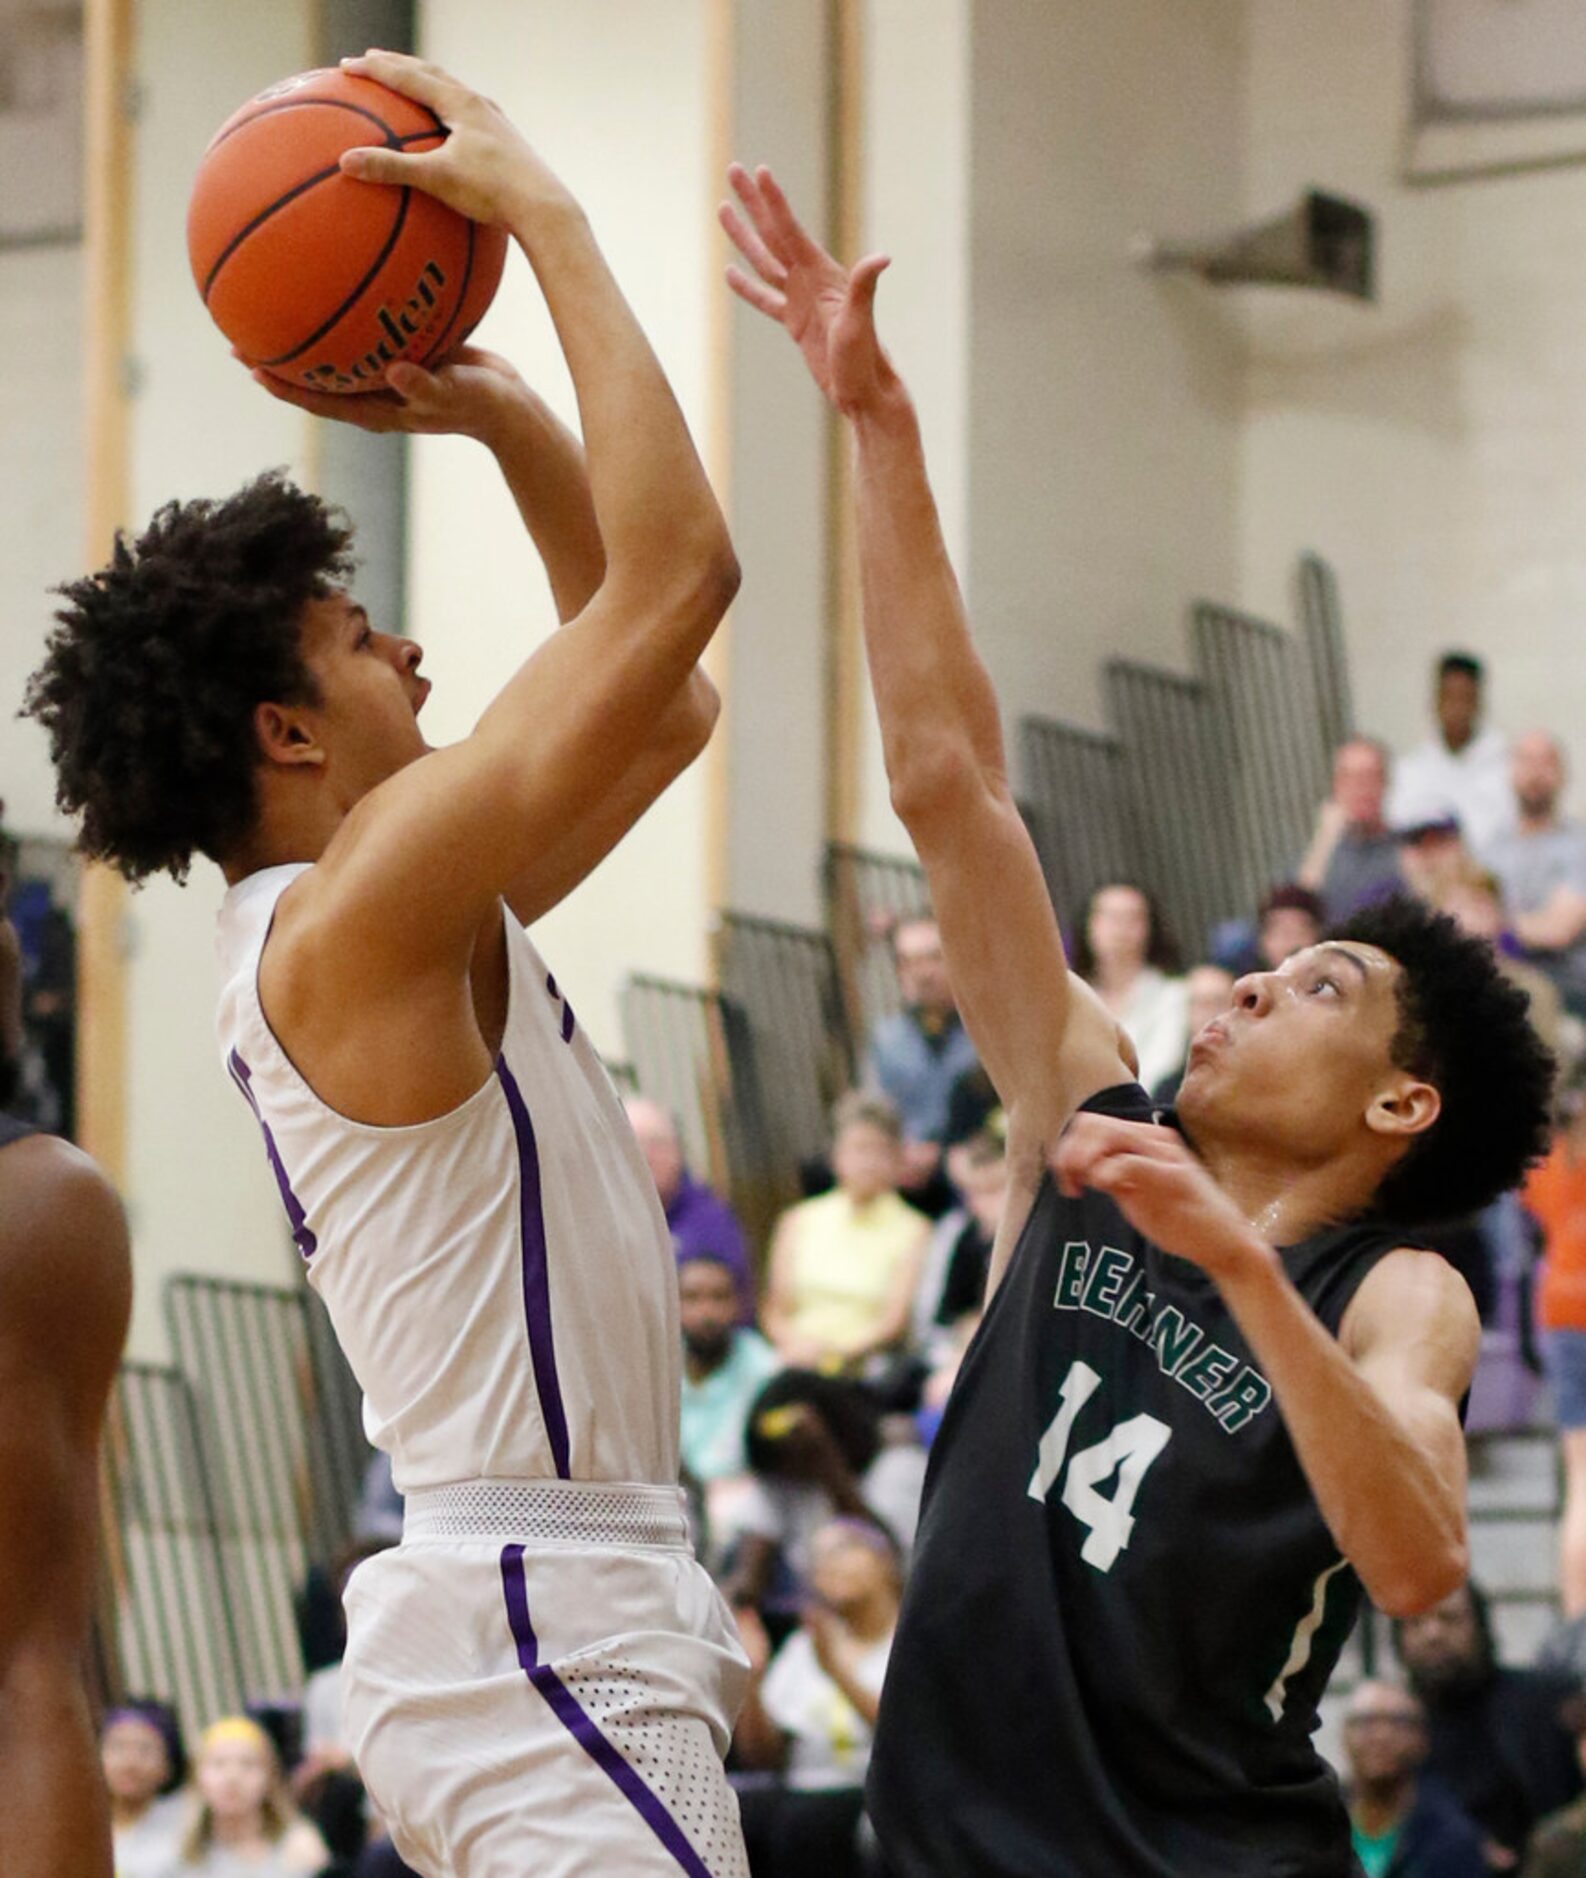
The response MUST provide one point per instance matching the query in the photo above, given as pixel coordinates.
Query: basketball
(318, 278)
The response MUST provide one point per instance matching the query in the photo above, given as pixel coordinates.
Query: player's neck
(283, 834)
(1286, 1201)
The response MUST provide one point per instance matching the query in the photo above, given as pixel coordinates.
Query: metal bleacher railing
(1204, 787)
(785, 980)
(224, 1478)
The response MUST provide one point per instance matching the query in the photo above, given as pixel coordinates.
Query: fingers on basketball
(415, 78)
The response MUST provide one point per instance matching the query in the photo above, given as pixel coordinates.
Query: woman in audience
(1122, 949)
(244, 1824)
(140, 1749)
(845, 1265)
(811, 1708)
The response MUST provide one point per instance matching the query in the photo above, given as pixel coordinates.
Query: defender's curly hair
(1466, 1029)
(157, 661)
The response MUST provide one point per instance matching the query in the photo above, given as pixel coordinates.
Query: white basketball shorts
(541, 1679)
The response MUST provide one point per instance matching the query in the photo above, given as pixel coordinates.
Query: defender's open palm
(828, 309)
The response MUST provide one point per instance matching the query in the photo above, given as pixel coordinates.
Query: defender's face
(370, 693)
(1301, 1055)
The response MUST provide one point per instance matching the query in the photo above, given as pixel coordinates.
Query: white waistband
(550, 1512)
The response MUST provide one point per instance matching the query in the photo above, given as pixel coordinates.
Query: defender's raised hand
(828, 309)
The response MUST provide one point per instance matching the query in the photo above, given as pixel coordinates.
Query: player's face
(1302, 1056)
(370, 694)
(234, 1778)
(135, 1761)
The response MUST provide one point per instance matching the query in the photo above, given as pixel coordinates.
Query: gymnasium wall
(1435, 446)
(197, 1186)
(1104, 403)
(616, 97)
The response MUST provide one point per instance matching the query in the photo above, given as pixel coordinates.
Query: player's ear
(285, 736)
(1407, 1106)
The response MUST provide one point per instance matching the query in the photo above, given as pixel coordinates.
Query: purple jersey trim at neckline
(565, 1706)
(302, 1235)
(536, 1273)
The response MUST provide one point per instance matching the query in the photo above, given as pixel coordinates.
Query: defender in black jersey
(1215, 1390)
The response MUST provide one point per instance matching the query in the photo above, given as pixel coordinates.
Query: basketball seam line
(300, 189)
(328, 104)
(361, 288)
(462, 297)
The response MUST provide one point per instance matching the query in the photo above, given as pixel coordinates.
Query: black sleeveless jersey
(1124, 1604)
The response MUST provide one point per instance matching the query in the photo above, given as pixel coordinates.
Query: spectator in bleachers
(326, 1750)
(1496, 1742)
(1289, 919)
(845, 1265)
(915, 1057)
(698, 1219)
(140, 1749)
(1558, 1845)
(725, 1366)
(1540, 864)
(1471, 898)
(1211, 991)
(817, 1451)
(1433, 857)
(1353, 859)
(244, 1821)
(958, 1257)
(1555, 1196)
(1461, 771)
(811, 1708)
(1402, 1826)
(1124, 951)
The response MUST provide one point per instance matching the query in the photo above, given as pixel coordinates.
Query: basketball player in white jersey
(540, 1678)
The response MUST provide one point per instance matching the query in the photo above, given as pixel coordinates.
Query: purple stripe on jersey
(567, 1022)
(302, 1236)
(536, 1273)
(565, 1706)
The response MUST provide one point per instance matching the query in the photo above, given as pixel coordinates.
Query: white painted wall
(1104, 403)
(198, 1190)
(1432, 447)
(41, 499)
(614, 94)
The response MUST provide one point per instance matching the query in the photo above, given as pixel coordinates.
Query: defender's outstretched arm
(1045, 1043)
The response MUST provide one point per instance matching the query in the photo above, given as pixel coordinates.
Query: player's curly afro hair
(1464, 1027)
(157, 661)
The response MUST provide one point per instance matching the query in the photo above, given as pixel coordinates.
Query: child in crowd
(244, 1824)
(140, 1749)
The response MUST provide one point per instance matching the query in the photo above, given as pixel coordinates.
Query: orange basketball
(322, 280)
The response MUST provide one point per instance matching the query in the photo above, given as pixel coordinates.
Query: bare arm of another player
(940, 728)
(478, 394)
(65, 1292)
(1373, 1413)
(420, 860)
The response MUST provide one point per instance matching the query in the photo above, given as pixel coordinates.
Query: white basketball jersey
(501, 1279)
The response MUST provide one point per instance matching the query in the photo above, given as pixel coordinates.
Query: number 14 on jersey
(1128, 1450)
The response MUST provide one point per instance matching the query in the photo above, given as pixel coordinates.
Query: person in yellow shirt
(845, 1265)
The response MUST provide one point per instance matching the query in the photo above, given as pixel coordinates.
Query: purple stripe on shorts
(302, 1237)
(565, 1706)
(536, 1273)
